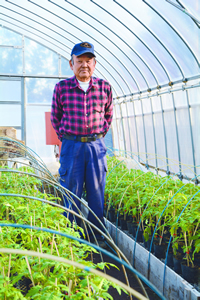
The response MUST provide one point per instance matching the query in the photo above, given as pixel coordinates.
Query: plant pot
(145, 243)
(135, 227)
(23, 284)
(111, 215)
(166, 236)
(123, 224)
(189, 273)
(129, 218)
(105, 212)
(179, 250)
(177, 259)
(197, 259)
(166, 239)
(159, 250)
(139, 235)
(170, 262)
(149, 245)
(130, 226)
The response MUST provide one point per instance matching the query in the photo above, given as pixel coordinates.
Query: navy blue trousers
(84, 164)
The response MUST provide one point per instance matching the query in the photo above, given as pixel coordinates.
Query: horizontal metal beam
(155, 95)
(10, 102)
(15, 76)
(131, 97)
(8, 46)
(158, 111)
(159, 92)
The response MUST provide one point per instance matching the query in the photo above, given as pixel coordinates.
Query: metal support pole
(145, 139)
(165, 138)
(191, 134)
(136, 131)
(129, 131)
(23, 56)
(177, 138)
(154, 135)
(115, 107)
(122, 128)
(23, 107)
(59, 65)
(23, 111)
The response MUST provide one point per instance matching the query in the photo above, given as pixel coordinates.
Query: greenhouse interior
(99, 149)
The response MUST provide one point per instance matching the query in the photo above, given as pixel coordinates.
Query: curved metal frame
(121, 82)
(31, 28)
(49, 76)
(118, 47)
(145, 79)
(60, 43)
(147, 28)
(99, 44)
(56, 76)
(84, 32)
(54, 39)
(154, 36)
(133, 34)
(184, 10)
(178, 34)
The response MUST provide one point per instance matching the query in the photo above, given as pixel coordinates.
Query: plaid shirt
(75, 112)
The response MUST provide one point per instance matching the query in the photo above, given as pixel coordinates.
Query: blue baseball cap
(83, 48)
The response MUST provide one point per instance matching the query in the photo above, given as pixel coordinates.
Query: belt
(83, 139)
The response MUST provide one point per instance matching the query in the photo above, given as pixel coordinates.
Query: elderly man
(81, 115)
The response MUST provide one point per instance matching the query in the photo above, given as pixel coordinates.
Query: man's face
(83, 67)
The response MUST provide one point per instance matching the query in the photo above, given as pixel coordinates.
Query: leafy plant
(47, 279)
(156, 203)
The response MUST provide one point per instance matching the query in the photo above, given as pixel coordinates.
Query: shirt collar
(74, 82)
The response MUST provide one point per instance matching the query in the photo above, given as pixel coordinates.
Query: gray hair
(72, 60)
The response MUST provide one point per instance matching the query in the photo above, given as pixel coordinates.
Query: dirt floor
(119, 274)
